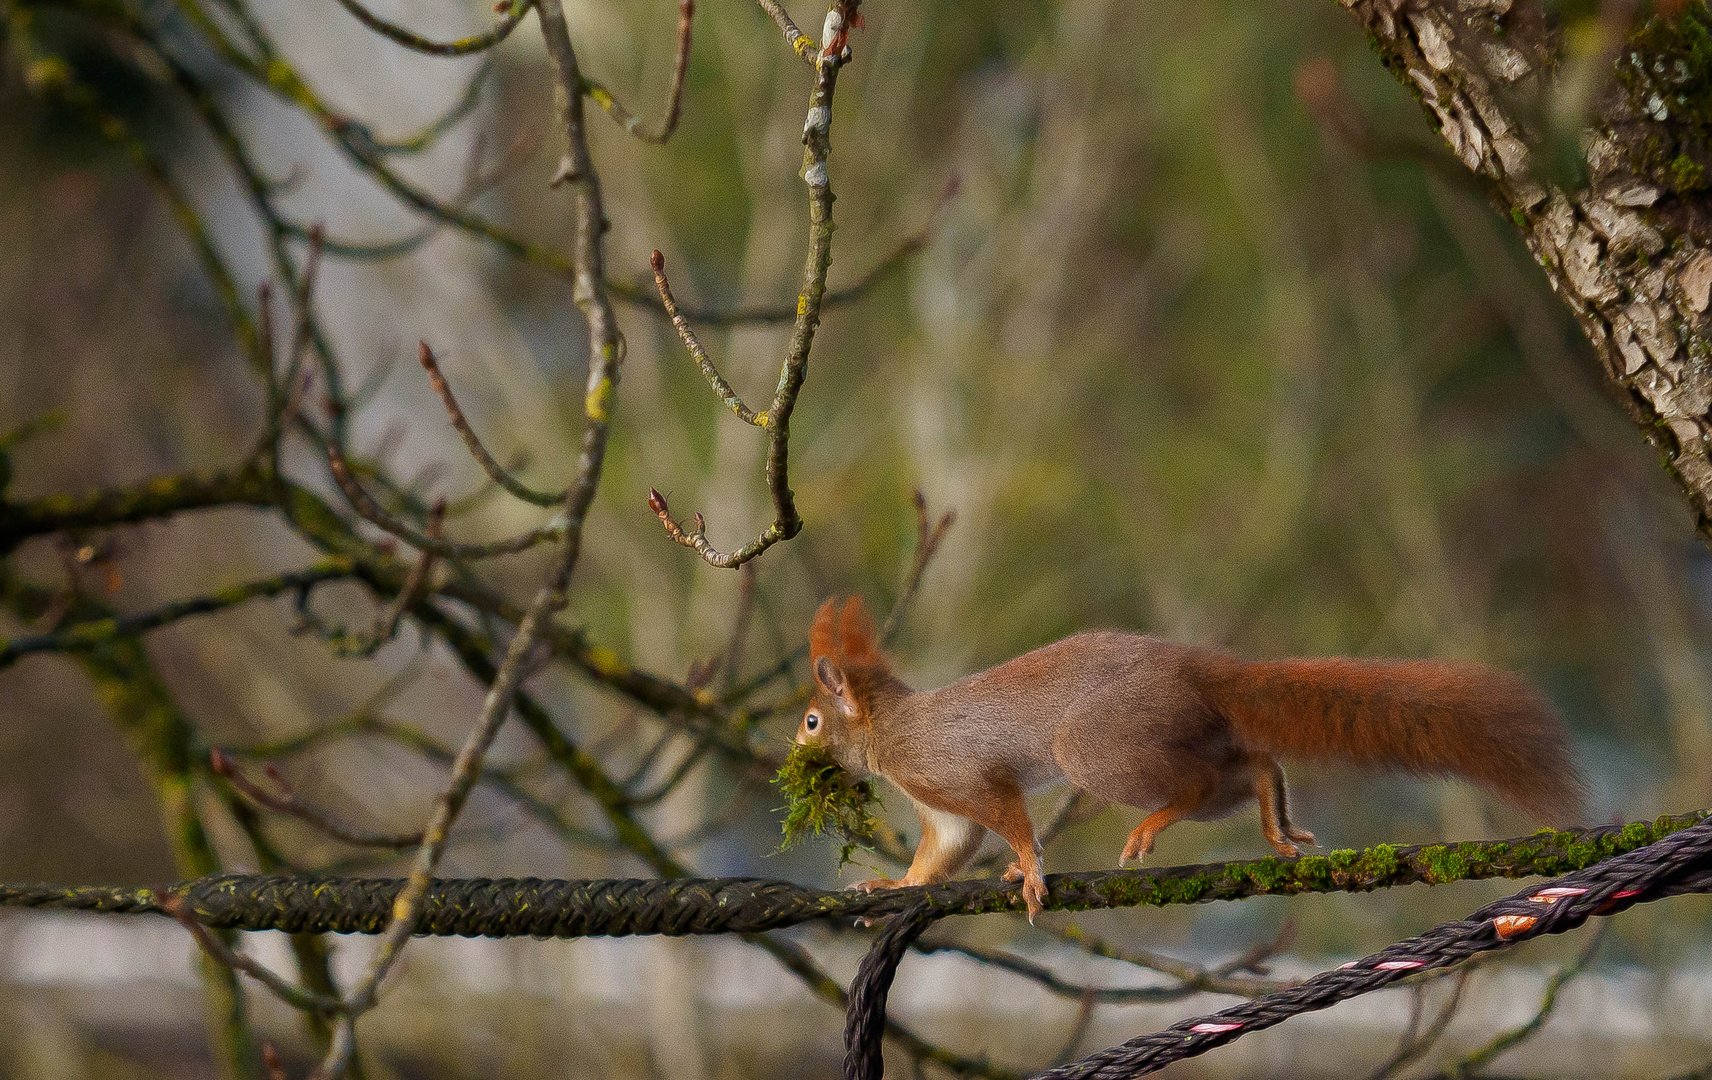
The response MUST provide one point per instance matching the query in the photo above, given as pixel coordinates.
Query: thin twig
(1414, 1043)
(1473, 1063)
(1078, 1029)
(416, 585)
(412, 738)
(721, 388)
(1217, 980)
(370, 511)
(906, 249)
(817, 146)
(606, 348)
(1048, 980)
(285, 801)
(295, 996)
(672, 779)
(461, 424)
(927, 540)
(674, 96)
(460, 47)
(800, 43)
(462, 107)
(95, 633)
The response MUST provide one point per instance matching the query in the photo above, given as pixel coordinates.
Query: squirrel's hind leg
(1005, 813)
(1275, 809)
(1141, 840)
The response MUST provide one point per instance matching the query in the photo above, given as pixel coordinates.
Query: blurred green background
(1181, 360)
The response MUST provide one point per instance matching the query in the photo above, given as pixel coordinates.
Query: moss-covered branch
(514, 907)
(90, 634)
(168, 748)
(157, 497)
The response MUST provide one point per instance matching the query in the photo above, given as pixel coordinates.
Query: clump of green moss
(1315, 870)
(1382, 860)
(1443, 864)
(1686, 174)
(822, 796)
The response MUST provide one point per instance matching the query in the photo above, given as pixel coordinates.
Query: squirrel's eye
(812, 722)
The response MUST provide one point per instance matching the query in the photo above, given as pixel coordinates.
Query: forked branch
(817, 146)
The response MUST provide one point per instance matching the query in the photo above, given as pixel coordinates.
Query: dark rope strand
(1679, 864)
(482, 907)
(865, 1018)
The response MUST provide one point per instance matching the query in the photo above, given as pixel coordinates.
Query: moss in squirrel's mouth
(822, 796)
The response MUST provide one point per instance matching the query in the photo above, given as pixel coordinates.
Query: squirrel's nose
(799, 739)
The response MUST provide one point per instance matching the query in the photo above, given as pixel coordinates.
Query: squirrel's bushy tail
(1420, 716)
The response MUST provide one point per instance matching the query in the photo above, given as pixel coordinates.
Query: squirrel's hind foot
(1140, 844)
(1034, 895)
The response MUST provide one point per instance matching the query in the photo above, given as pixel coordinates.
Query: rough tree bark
(1625, 232)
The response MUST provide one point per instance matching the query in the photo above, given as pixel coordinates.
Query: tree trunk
(1620, 216)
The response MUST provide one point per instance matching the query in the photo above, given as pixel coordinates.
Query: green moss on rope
(822, 796)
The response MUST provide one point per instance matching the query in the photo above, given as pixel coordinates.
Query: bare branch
(817, 146)
(461, 424)
(721, 388)
(295, 996)
(1415, 1042)
(927, 540)
(92, 634)
(460, 47)
(1078, 1029)
(696, 537)
(907, 249)
(371, 512)
(674, 96)
(1474, 1062)
(285, 801)
(416, 586)
(800, 43)
(1194, 978)
(1048, 980)
(606, 350)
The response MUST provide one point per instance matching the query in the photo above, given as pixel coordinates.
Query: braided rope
(865, 1017)
(1679, 864)
(485, 907)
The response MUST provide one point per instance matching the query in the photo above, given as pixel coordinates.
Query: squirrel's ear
(831, 679)
(822, 635)
(861, 638)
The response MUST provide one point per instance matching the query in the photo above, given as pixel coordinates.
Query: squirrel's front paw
(1013, 872)
(877, 883)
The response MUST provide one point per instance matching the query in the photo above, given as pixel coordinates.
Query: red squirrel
(1179, 731)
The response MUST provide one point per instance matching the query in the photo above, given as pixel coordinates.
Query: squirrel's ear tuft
(823, 635)
(861, 638)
